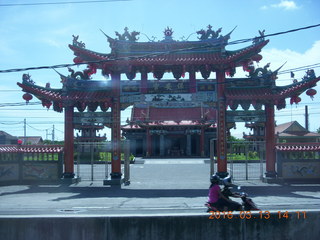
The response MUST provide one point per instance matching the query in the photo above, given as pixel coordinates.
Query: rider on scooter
(216, 198)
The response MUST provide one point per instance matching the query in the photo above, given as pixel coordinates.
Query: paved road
(159, 186)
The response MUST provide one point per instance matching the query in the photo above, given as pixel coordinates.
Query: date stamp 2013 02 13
(257, 215)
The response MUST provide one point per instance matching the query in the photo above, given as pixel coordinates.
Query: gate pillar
(115, 132)
(221, 130)
(270, 141)
(68, 143)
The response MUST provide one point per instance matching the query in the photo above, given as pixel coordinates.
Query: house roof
(3, 133)
(293, 129)
(31, 140)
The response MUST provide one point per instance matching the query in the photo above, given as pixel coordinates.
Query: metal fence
(246, 160)
(93, 160)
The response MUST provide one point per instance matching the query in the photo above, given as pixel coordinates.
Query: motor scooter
(246, 205)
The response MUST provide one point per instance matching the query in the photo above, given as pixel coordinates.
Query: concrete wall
(175, 226)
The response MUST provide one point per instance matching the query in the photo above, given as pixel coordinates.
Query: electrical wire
(58, 3)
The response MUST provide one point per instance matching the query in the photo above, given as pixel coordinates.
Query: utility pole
(306, 118)
(52, 133)
(25, 130)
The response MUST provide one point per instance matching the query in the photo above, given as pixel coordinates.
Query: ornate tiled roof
(31, 148)
(59, 95)
(203, 56)
(270, 93)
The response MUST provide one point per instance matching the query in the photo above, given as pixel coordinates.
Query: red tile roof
(153, 114)
(31, 148)
(298, 147)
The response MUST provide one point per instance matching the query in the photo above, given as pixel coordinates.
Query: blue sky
(39, 35)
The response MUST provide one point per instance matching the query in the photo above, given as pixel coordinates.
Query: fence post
(91, 159)
(78, 158)
(20, 163)
(246, 152)
(231, 158)
(212, 156)
(126, 150)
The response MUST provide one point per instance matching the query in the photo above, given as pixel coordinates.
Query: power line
(275, 34)
(59, 3)
(302, 68)
(152, 54)
(18, 104)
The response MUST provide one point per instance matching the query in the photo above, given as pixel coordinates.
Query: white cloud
(294, 59)
(284, 4)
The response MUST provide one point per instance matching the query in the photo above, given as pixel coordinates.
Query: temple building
(171, 117)
(174, 132)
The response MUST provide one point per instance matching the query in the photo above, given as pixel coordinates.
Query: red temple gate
(208, 54)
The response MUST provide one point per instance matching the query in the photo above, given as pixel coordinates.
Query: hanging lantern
(295, 99)
(291, 100)
(27, 97)
(77, 60)
(311, 92)
(46, 103)
(256, 57)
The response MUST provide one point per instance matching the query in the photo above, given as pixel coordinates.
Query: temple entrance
(139, 147)
(194, 145)
(177, 147)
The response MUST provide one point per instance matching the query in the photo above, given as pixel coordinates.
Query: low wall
(30, 164)
(255, 226)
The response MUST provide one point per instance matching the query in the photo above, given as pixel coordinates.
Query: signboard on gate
(246, 116)
(92, 118)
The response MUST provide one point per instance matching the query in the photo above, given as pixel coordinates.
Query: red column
(116, 130)
(144, 81)
(192, 81)
(149, 143)
(68, 143)
(221, 131)
(270, 141)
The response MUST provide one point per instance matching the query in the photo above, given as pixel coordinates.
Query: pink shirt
(214, 194)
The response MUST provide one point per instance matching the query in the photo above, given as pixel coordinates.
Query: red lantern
(291, 100)
(295, 99)
(77, 60)
(311, 92)
(256, 58)
(27, 97)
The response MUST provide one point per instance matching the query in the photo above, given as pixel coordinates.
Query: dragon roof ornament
(208, 34)
(126, 36)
